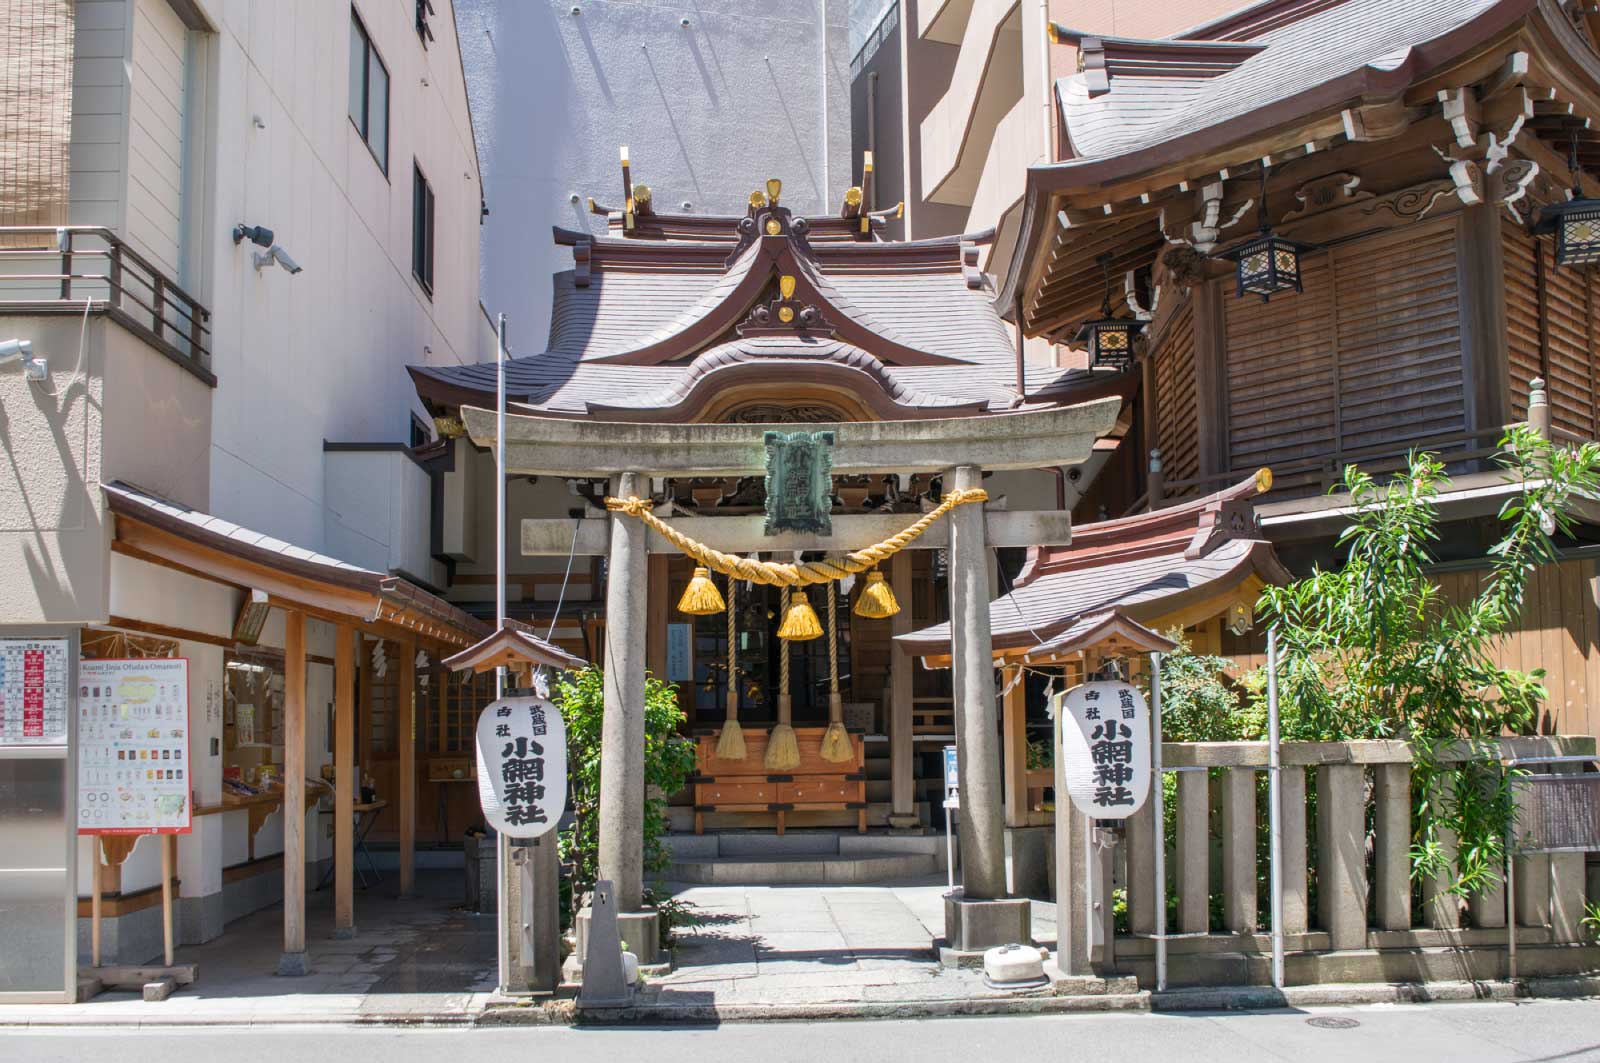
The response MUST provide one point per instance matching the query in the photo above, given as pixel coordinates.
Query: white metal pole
(502, 847)
(1160, 833)
(1275, 807)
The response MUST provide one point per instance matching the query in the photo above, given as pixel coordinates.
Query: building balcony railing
(84, 268)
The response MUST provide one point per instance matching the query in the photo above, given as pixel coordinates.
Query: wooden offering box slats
(746, 785)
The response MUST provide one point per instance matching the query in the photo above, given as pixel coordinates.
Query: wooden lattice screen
(1552, 331)
(36, 44)
(1368, 356)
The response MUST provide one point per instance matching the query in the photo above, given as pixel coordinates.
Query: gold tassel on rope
(700, 597)
(836, 745)
(783, 749)
(730, 743)
(799, 619)
(876, 600)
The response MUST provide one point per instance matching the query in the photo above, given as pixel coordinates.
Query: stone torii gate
(631, 454)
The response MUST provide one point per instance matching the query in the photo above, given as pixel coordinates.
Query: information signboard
(133, 746)
(33, 691)
(1105, 745)
(522, 766)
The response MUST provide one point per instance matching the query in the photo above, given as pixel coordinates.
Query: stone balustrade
(1365, 926)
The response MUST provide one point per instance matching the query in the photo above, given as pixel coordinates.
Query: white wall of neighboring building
(321, 355)
(747, 90)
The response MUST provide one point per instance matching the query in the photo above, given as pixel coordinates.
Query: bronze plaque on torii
(799, 482)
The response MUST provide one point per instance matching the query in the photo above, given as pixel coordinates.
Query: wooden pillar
(169, 860)
(406, 746)
(1015, 739)
(344, 781)
(903, 784)
(367, 691)
(293, 960)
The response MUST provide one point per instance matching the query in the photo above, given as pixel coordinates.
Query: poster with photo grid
(33, 691)
(133, 746)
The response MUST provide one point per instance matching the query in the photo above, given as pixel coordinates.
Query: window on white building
(369, 92)
(421, 229)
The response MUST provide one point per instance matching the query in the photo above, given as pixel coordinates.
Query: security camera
(22, 350)
(263, 259)
(259, 235)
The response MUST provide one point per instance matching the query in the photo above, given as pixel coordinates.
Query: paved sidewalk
(417, 960)
(789, 945)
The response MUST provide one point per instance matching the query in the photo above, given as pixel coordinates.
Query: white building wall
(747, 90)
(321, 355)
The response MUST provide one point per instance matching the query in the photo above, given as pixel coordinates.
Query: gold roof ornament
(758, 199)
(852, 196)
(774, 187)
(1263, 480)
(786, 285)
(641, 195)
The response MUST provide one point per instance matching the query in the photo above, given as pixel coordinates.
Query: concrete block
(1566, 896)
(293, 965)
(1296, 898)
(1239, 849)
(1342, 854)
(978, 925)
(1141, 862)
(1027, 861)
(1192, 875)
(198, 919)
(1392, 858)
(160, 989)
(640, 933)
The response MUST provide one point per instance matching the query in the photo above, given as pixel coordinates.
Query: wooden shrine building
(734, 412)
(774, 319)
(1336, 232)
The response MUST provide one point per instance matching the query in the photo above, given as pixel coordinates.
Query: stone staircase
(814, 857)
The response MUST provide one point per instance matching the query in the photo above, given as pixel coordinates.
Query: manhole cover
(1332, 1022)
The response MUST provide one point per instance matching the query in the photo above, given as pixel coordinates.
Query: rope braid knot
(784, 574)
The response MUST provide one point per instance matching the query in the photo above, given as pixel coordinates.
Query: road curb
(569, 1013)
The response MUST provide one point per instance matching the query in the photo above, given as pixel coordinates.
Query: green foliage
(668, 761)
(1371, 650)
(1040, 755)
(1200, 704)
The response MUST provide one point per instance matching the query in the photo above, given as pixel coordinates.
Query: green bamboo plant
(1372, 650)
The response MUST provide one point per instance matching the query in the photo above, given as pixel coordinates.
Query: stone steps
(802, 857)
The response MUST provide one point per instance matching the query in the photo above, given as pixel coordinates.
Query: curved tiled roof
(1142, 567)
(643, 326)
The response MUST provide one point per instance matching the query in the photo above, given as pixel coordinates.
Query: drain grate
(1332, 1022)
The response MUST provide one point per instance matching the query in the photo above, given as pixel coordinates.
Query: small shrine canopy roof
(1167, 568)
(685, 318)
(156, 529)
(514, 645)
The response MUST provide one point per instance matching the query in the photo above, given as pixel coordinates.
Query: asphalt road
(1541, 1031)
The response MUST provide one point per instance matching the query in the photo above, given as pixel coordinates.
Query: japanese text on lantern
(522, 766)
(1105, 745)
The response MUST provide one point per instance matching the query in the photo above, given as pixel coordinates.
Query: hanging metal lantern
(1109, 340)
(1267, 264)
(1575, 223)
